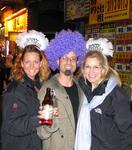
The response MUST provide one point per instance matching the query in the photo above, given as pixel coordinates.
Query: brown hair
(17, 72)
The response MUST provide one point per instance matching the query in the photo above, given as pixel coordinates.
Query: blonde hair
(104, 63)
(17, 72)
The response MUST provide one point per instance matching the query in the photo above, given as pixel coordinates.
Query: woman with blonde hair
(20, 102)
(106, 108)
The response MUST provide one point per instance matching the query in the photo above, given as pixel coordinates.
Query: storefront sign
(16, 22)
(103, 11)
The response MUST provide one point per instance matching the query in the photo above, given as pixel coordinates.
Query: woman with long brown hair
(20, 102)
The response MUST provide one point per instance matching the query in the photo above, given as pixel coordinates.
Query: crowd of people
(6, 63)
(93, 108)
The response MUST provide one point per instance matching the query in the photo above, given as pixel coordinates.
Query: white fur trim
(101, 44)
(32, 37)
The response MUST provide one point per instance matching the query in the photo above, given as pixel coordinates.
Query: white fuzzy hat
(101, 44)
(32, 37)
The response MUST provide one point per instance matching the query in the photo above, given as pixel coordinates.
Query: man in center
(65, 52)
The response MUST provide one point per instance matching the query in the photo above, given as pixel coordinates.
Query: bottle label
(48, 112)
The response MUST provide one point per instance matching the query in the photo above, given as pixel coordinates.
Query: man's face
(68, 63)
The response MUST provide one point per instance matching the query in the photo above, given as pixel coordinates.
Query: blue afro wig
(64, 42)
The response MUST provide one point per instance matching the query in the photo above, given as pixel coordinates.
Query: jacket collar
(32, 83)
(87, 88)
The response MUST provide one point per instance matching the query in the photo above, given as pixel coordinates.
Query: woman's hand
(42, 112)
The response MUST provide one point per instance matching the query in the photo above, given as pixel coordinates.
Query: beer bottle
(48, 108)
(55, 101)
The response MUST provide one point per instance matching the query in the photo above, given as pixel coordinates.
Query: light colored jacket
(61, 135)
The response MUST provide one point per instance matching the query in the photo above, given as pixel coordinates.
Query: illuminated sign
(109, 10)
(17, 22)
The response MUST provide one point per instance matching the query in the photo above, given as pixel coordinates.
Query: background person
(20, 101)
(106, 110)
(64, 52)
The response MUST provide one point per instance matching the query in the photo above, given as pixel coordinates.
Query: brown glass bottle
(48, 107)
(55, 102)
